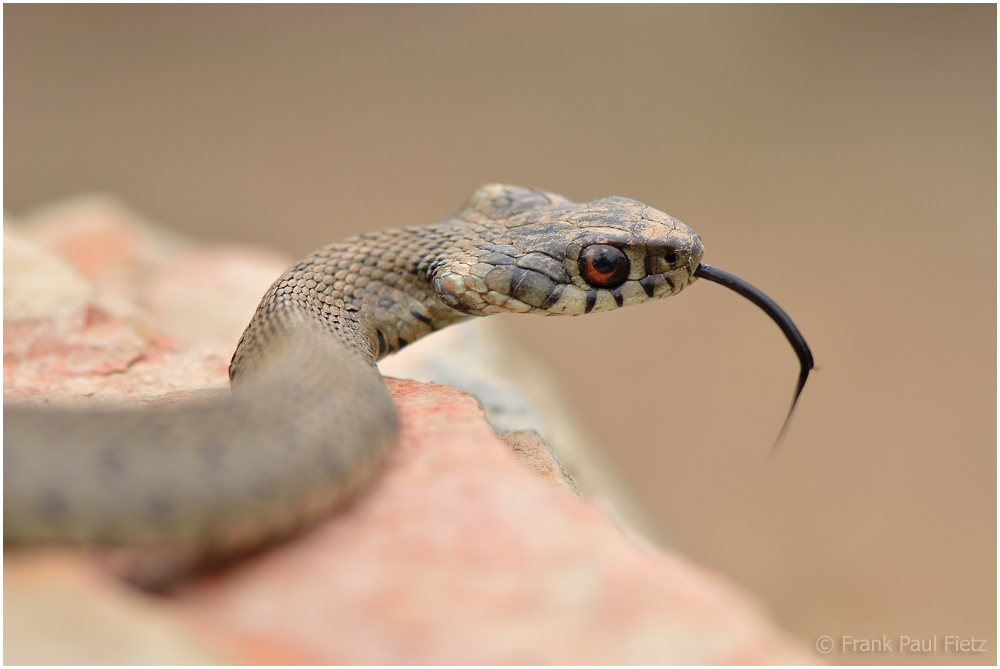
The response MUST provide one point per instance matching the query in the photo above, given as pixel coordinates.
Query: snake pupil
(670, 257)
(605, 261)
(604, 266)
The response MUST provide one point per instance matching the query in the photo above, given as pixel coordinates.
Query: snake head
(537, 252)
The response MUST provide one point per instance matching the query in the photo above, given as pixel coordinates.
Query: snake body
(309, 418)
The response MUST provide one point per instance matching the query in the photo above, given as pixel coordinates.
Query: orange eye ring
(603, 266)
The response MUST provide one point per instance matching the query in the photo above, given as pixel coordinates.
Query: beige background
(841, 158)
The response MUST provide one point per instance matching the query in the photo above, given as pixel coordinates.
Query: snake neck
(374, 292)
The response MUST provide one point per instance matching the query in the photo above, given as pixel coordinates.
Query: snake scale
(309, 418)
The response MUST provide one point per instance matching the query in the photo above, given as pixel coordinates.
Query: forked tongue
(777, 315)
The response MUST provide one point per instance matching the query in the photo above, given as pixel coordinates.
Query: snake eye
(603, 266)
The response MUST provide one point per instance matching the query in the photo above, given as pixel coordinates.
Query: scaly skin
(310, 419)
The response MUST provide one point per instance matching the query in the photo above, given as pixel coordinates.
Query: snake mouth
(781, 319)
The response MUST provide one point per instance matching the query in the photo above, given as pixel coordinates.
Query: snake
(309, 418)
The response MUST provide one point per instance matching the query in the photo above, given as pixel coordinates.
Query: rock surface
(467, 549)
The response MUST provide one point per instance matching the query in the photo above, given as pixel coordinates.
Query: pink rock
(461, 555)
(457, 553)
(101, 303)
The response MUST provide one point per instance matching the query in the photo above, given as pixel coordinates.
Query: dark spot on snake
(591, 301)
(648, 283)
(669, 282)
(111, 462)
(159, 507)
(383, 347)
(533, 289)
(516, 274)
(386, 303)
(421, 317)
(553, 296)
(617, 294)
(54, 506)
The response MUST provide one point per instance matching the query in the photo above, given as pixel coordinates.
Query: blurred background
(841, 158)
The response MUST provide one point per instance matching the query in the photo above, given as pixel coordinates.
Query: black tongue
(777, 315)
